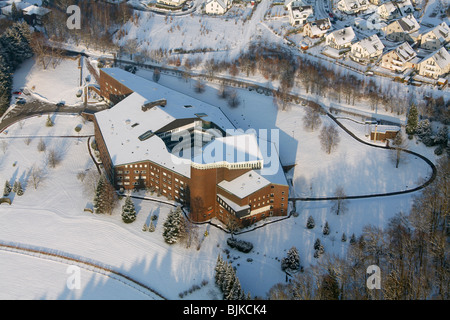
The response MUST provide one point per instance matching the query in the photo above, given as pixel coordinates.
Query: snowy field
(59, 84)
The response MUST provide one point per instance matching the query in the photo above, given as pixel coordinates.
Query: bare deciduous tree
(340, 205)
(36, 175)
(311, 120)
(54, 158)
(329, 138)
(233, 99)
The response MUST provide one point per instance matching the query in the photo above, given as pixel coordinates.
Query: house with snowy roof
(340, 39)
(435, 65)
(353, 6)
(367, 49)
(403, 29)
(35, 15)
(406, 7)
(20, 5)
(317, 28)
(218, 6)
(389, 10)
(171, 3)
(400, 58)
(298, 14)
(436, 37)
(186, 150)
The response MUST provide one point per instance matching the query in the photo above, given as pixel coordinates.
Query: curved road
(425, 184)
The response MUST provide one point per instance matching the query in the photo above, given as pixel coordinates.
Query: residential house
(403, 29)
(435, 38)
(298, 14)
(435, 65)
(317, 28)
(218, 6)
(341, 39)
(171, 3)
(405, 6)
(353, 6)
(389, 11)
(35, 15)
(400, 58)
(367, 49)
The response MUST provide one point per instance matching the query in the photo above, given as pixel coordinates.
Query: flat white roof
(124, 124)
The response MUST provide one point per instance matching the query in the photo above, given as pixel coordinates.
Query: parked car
(60, 104)
(21, 101)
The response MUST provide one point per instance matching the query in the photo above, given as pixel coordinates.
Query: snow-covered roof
(380, 128)
(441, 31)
(222, 3)
(40, 11)
(238, 148)
(343, 36)
(371, 44)
(122, 125)
(405, 52)
(387, 7)
(441, 57)
(409, 24)
(245, 184)
(19, 5)
(320, 26)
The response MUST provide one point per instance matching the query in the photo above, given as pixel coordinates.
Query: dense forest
(14, 49)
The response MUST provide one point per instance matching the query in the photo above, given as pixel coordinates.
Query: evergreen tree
(219, 271)
(15, 15)
(353, 239)
(235, 293)
(292, 261)
(344, 237)
(7, 189)
(318, 248)
(310, 223)
(128, 210)
(228, 282)
(98, 198)
(412, 121)
(326, 229)
(174, 226)
(441, 137)
(105, 197)
(229, 279)
(19, 189)
(151, 226)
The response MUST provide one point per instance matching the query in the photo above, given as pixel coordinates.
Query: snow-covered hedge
(241, 245)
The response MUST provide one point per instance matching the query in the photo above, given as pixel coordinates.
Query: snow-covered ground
(52, 217)
(59, 84)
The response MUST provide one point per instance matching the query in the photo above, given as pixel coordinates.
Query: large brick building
(186, 150)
